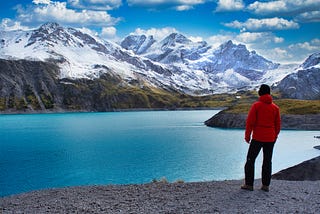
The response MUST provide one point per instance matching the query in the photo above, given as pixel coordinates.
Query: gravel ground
(161, 197)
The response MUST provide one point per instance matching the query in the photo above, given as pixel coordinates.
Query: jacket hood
(266, 98)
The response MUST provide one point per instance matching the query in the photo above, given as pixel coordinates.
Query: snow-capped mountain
(304, 82)
(174, 62)
(79, 55)
(228, 68)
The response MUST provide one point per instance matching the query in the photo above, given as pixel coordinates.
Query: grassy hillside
(287, 106)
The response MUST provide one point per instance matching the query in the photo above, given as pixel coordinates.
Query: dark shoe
(265, 188)
(247, 187)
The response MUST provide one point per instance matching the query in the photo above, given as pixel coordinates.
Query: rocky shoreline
(296, 122)
(162, 197)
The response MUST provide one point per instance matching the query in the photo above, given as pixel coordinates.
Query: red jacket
(263, 120)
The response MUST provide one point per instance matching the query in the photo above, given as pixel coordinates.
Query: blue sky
(280, 30)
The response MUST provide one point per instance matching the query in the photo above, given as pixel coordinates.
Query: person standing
(262, 129)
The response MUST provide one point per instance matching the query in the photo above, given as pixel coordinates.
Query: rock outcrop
(227, 120)
(307, 170)
(297, 122)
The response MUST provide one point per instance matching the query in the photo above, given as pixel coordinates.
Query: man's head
(264, 89)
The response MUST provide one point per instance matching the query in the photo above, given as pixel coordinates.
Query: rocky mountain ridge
(57, 68)
(305, 82)
(174, 62)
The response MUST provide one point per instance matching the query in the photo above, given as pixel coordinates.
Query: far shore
(111, 110)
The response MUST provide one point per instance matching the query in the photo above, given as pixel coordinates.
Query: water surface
(57, 150)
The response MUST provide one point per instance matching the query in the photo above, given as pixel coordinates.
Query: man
(262, 129)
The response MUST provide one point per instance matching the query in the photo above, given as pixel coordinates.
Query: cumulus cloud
(280, 55)
(294, 53)
(58, 12)
(247, 38)
(41, 1)
(281, 7)
(313, 45)
(179, 5)
(216, 40)
(95, 4)
(9, 25)
(263, 24)
(313, 16)
(108, 32)
(229, 5)
(258, 37)
(157, 33)
(196, 38)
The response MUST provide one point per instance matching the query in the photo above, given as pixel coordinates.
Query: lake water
(57, 150)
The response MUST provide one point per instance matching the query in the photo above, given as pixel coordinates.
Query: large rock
(227, 120)
(298, 122)
(307, 170)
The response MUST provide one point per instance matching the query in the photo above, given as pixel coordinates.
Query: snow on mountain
(313, 61)
(174, 62)
(225, 69)
(304, 82)
(78, 54)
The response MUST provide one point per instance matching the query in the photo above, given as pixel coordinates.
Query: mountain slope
(303, 84)
(174, 63)
(29, 86)
(228, 68)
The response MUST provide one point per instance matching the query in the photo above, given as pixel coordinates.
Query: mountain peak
(50, 26)
(311, 61)
(176, 38)
(137, 43)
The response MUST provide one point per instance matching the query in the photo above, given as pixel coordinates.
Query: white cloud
(108, 32)
(216, 40)
(179, 5)
(313, 16)
(280, 55)
(58, 12)
(183, 7)
(95, 4)
(196, 38)
(313, 45)
(41, 1)
(157, 33)
(263, 24)
(258, 38)
(247, 38)
(9, 25)
(229, 5)
(280, 7)
(294, 53)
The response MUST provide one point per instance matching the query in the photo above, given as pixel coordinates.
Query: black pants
(254, 149)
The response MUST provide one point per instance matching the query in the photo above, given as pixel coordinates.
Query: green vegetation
(290, 106)
(47, 101)
(2, 104)
(287, 106)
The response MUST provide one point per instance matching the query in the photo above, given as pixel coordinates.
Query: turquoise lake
(40, 151)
